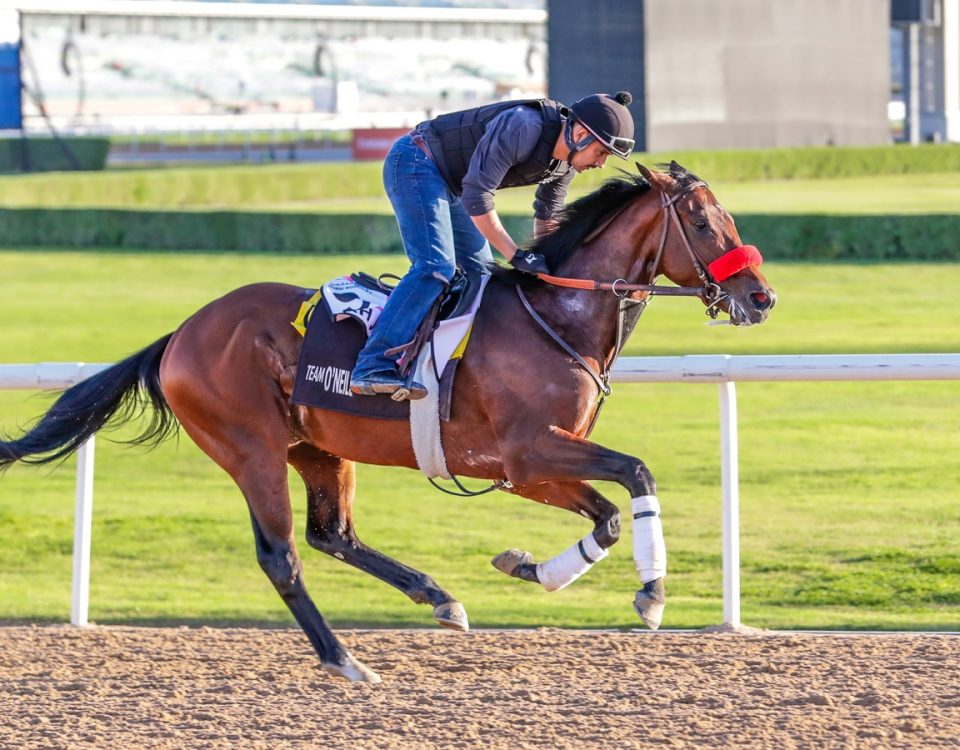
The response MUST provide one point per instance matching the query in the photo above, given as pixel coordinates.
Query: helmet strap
(575, 146)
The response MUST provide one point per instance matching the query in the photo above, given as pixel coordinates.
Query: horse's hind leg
(256, 463)
(278, 558)
(330, 482)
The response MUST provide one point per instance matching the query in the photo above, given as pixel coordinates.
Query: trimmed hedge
(852, 238)
(780, 237)
(50, 155)
(116, 212)
(264, 185)
(208, 230)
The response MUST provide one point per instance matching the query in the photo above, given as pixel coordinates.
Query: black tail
(127, 389)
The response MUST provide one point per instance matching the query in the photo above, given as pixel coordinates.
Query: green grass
(849, 490)
(872, 196)
(199, 187)
(330, 209)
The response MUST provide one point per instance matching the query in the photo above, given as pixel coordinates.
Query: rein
(620, 286)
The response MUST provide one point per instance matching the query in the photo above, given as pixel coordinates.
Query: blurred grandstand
(145, 71)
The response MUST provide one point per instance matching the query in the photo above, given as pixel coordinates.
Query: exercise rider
(441, 178)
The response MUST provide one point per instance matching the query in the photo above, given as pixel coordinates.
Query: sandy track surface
(119, 687)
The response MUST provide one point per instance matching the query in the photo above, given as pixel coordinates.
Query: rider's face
(592, 157)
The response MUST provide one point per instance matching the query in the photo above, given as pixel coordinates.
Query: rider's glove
(524, 260)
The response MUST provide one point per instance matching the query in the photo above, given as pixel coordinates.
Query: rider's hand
(528, 262)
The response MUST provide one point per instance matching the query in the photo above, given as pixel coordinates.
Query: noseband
(710, 274)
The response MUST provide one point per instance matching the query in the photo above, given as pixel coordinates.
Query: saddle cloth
(330, 348)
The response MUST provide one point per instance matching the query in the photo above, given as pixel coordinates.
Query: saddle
(454, 302)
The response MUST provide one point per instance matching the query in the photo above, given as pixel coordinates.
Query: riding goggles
(616, 145)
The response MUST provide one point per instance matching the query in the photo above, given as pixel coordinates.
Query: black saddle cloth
(330, 350)
(327, 358)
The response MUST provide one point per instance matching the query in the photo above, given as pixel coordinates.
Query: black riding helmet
(608, 121)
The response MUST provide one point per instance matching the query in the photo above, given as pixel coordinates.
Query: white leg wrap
(649, 550)
(568, 566)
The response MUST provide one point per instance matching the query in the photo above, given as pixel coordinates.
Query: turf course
(849, 491)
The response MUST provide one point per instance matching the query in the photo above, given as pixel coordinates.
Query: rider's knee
(438, 270)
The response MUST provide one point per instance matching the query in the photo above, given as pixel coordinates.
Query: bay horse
(521, 414)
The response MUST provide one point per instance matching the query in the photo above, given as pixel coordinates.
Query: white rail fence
(723, 369)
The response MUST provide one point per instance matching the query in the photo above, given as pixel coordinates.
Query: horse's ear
(678, 172)
(647, 174)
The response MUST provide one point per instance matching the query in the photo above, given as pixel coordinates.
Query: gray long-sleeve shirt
(510, 139)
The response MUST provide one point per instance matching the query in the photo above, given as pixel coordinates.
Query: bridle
(709, 291)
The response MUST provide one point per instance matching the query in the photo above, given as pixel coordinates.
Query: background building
(732, 74)
(926, 78)
(131, 63)
(10, 105)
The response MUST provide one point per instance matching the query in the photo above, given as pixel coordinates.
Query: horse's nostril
(760, 300)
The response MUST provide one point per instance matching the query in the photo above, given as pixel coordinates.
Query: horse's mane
(578, 219)
(581, 217)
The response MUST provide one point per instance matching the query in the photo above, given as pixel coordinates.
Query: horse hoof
(353, 670)
(649, 603)
(509, 562)
(452, 615)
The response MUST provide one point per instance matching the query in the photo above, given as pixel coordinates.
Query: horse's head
(699, 246)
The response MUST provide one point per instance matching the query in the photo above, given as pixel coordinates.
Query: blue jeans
(437, 237)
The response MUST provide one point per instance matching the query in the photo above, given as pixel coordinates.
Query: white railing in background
(725, 370)
(52, 376)
(722, 369)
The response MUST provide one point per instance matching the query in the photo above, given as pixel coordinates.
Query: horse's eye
(701, 224)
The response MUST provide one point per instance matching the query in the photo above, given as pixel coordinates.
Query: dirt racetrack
(121, 687)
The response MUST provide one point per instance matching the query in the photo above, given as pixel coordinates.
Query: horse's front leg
(557, 456)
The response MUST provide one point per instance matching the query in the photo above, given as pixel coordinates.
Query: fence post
(730, 480)
(82, 524)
